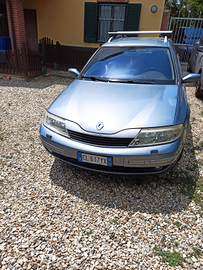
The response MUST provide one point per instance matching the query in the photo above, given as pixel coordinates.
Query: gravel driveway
(56, 216)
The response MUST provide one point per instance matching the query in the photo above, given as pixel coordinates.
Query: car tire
(199, 90)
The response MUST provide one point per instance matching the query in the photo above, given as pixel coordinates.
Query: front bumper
(140, 160)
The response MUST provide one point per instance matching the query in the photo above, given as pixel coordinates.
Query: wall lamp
(154, 9)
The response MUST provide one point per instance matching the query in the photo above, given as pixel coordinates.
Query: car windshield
(132, 65)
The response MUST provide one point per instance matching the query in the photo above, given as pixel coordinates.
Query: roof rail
(124, 33)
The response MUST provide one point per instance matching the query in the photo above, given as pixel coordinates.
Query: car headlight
(154, 136)
(56, 124)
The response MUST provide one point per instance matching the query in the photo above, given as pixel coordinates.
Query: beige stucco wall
(63, 20)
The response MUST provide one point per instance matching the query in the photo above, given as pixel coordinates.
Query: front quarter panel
(182, 109)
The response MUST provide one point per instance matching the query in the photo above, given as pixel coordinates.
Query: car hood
(118, 106)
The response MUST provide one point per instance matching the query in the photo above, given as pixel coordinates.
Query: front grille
(99, 140)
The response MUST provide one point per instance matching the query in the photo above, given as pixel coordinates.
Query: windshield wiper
(92, 78)
(132, 81)
(139, 82)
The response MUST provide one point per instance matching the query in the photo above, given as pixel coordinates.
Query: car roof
(138, 41)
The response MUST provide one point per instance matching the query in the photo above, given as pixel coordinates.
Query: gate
(186, 31)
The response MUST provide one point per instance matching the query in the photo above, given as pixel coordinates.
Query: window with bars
(111, 18)
(100, 18)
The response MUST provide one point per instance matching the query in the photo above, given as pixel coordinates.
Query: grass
(192, 188)
(163, 241)
(198, 197)
(89, 232)
(187, 184)
(192, 150)
(172, 258)
(114, 221)
(1, 138)
(197, 252)
(201, 143)
(177, 223)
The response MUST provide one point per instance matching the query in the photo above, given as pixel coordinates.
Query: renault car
(126, 112)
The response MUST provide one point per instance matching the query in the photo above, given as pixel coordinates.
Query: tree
(185, 8)
(173, 7)
(196, 8)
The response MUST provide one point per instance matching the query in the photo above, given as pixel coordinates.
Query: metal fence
(186, 31)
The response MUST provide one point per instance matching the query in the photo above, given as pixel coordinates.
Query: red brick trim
(18, 23)
(9, 25)
(165, 20)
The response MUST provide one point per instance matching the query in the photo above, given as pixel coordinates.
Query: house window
(111, 18)
(3, 21)
(100, 18)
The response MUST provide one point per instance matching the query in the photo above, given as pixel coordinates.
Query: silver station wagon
(126, 112)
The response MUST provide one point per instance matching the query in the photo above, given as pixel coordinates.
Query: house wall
(63, 20)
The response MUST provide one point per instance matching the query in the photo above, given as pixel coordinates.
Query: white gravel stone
(56, 216)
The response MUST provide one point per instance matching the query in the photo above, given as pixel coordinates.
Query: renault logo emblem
(100, 125)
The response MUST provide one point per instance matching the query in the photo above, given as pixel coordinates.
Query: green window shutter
(133, 17)
(90, 26)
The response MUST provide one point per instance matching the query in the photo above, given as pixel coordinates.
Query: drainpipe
(12, 24)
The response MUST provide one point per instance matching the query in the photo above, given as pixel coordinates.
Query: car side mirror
(73, 72)
(191, 78)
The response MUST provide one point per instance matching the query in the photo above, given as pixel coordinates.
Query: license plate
(105, 161)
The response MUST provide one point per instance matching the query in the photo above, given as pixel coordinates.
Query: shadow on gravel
(162, 193)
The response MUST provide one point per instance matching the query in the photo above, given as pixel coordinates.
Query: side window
(100, 18)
